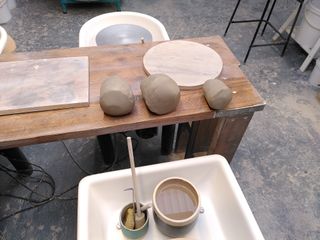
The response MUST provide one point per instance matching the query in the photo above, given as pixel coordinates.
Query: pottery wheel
(122, 34)
(188, 63)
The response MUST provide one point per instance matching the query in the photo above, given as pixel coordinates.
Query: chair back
(89, 31)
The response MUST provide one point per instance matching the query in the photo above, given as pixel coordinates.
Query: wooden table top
(126, 62)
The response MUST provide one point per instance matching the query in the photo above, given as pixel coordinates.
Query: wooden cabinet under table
(226, 127)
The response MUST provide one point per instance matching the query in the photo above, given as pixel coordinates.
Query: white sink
(226, 211)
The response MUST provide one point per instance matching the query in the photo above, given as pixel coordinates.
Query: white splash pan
(226, 216)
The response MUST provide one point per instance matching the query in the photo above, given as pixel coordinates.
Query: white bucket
(309, 31)
(315, 75)
(5, 14)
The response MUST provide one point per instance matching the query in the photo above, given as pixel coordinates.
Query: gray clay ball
(217, 93)
(116, 97)
(160, 93)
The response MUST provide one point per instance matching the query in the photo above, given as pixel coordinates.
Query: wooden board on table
(43, 84)
(126, 62)
(188, 63)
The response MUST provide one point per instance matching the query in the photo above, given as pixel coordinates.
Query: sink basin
(226, 212)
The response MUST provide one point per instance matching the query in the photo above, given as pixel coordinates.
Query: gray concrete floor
(277, 163)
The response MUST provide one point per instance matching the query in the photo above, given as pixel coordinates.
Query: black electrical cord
(74, 160)
(116, 154)
(40, 204)
(117, 159)
(49, 181)
(34, 202)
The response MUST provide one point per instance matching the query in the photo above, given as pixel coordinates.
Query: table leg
(192, 138)
(227, 135)
(117, 4)
(107, 149)
(182, 137)
(18, 160)
(63, 6)
(217, 136)
(167, 139)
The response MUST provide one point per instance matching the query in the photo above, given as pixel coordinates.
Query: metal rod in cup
(134, 177)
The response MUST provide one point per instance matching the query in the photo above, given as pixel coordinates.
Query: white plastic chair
(90, 30)
(117, 20)
(3, 39)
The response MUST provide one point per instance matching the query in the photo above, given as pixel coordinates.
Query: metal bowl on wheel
(176, 206)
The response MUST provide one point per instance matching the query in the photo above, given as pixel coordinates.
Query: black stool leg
(107, 149)
(167, 139)
(18, 160)
(257, 29)
(193, 133)
(291, 30)
(117, 4)
(232, 16)
(268, 18)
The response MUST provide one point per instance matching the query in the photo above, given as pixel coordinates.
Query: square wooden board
(44, 84)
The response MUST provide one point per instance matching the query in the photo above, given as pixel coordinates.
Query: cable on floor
(47, 179)
(117, 159)
(74, 160)
(44, 199)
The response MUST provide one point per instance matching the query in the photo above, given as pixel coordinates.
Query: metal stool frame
(266, 22)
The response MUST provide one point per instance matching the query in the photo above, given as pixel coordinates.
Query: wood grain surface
(188, 63)
(43, 84)
(126, 62)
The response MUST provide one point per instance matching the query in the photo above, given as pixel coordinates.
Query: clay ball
(217, 93)
(160, 93)
(116, 97)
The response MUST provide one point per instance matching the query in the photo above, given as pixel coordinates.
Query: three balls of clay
(160, 93)
(116, 97)
(217, 93)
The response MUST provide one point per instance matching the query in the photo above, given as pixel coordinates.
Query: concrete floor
(277, 163)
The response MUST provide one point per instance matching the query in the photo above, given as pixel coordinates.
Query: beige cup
(176, 206)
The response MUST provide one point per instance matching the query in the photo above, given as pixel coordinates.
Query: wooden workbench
(226, 126)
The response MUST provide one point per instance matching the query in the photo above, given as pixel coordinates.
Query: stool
(266, 22)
